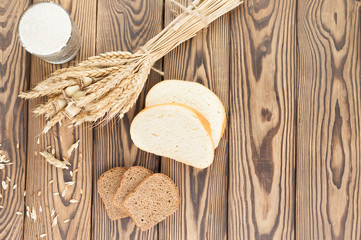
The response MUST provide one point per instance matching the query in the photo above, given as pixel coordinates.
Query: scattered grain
(67, 220)
(51, 181)
(73, 147)
(40, 208)
(53, 151)
(81, 191)
(39, 193)
(52, 212)
(15, 186)
(71, 173)
(55, 194)
(28, 214)
(8, 179)
(33, 214)
(73, 201)
(38, 141)
(69, 183)
(55, 221)
(19, 213)
(63, 193)
(36, 153)
(43, 235)
(5, 185)
(17, 145)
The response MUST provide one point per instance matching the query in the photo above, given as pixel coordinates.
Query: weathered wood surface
(329, 122)
(262, 120)
(288, 166)
(14, 76)
(39, 172)
(123, 25)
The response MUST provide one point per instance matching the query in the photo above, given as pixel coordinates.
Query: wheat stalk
(105, 86)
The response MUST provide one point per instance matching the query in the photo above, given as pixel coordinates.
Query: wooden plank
(39, 172)
(329, 132)
(262, 121)
(203, 209)
(14, 76)
(123, 25)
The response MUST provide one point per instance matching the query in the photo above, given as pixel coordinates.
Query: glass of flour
(47, 31)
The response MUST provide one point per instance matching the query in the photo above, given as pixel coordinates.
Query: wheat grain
(113, 81)
(53, 161)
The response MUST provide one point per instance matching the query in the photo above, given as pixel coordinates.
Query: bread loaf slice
(152, 201)
(175, 131)
(129, 180)
(107, 185)
(193, 95)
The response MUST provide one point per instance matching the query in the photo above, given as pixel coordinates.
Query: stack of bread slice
(182, 120)
(136, 192)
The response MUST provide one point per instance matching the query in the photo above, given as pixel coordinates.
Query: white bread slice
(193, 95)
(175, 131)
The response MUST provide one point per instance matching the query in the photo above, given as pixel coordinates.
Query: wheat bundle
(108, 85)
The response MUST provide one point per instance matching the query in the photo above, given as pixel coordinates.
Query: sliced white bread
(193, 95)
(175, 131)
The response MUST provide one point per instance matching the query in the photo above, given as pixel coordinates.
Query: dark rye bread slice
(107, 185)
(129, 180)
(154, 199)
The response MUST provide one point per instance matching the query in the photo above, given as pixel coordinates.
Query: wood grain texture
(262, 120)
(203, 208)
(39, 172)
(14, 78)
(123, 25)
(329, 129)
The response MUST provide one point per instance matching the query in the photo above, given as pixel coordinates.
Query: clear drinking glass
(46, 30)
